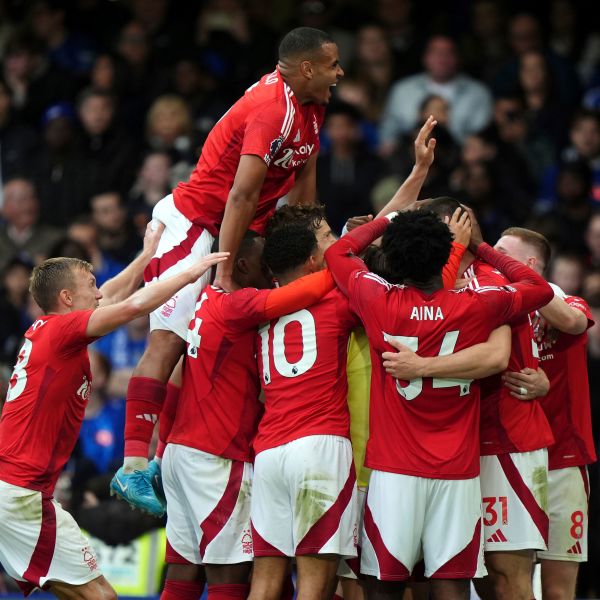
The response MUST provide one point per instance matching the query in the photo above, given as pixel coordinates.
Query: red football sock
(181, 590)
(337, 597)
(228, 591)
(167, 416)
(145, 397)
(287, 592)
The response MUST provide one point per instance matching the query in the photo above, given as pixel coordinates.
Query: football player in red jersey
(427, 480)
(515, 435)
(263, 148)
(562, 341)
(40, 543)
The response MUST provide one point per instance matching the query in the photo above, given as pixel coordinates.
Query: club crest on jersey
(426, 313)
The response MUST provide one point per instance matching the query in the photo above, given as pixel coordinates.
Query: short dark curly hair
(288, 247)
(307, 216)
(416, 246)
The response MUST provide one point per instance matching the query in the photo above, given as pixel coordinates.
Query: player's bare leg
(97, 589)
(268, 577)
(351, 589)
(316, 576)
(450, 589)
(161, 355)
(559, 579)
(228, 581)
(383, 590)
(183, 582)
(509, 576)
(416, 591)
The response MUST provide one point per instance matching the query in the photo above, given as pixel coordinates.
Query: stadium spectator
(567, 271)
(34, 82)
(592, 240)
(17, 141)
(116, 235)
(72, 52)
(484, 46)
(525, 35)
(584, 136)
(22, 233)
(84, 232)
(153, 183)
(14, 316)
(470, 102)
(348, 172)
(169, 128)
(112, 154)
(60, 172)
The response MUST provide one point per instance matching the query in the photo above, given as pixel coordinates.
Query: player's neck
(294, 82)
(465, 263)
(428, 287)
(292, 275)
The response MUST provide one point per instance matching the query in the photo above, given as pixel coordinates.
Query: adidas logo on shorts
(497, 536)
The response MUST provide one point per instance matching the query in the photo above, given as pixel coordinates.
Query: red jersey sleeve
(582, 305)
(266, 129)
(342, 257)
(527, 292)
(450, 270)
(71, 333)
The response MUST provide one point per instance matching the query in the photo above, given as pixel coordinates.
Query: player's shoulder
(484, 274)
(269, 90)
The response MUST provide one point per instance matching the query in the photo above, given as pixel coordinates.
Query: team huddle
(404, 406)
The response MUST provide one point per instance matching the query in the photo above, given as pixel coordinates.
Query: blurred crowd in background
(104, 107)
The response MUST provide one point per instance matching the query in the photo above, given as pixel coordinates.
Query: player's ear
(306, 68)
(242, 266)
(66, 297)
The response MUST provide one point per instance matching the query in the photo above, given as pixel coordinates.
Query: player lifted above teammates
(263, 148)
(40, 543)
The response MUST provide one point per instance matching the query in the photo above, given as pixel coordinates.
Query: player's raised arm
(128, 280)
(342, 257)
(107, 318)
(564, 317)
(424, 155)
(239, 212)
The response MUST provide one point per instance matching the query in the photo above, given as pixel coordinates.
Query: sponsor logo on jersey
(275, 146)
(288, 158)
(297, 138)
(84, 389)
(315, 125)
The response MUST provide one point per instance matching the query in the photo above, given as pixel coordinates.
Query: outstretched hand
(425, 145)
(206, 262)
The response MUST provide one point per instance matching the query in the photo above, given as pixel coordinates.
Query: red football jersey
(567, 404)
(302, 360)
(426, 427)
(46, 401)
(218, 407)
(266, 121)
(509, 424)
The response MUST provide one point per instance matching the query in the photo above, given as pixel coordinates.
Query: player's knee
(99, 589)
(557, 591)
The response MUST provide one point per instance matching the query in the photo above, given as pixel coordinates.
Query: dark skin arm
(239, 212)
(304, 191)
